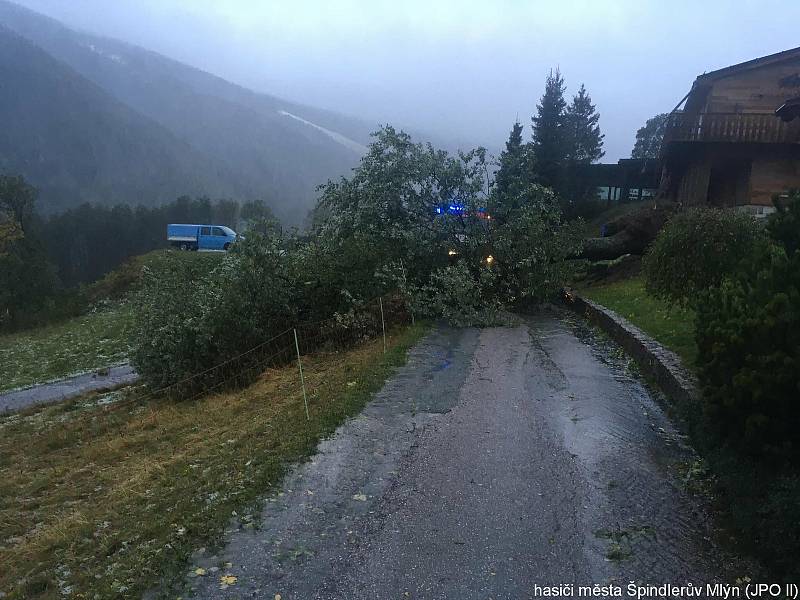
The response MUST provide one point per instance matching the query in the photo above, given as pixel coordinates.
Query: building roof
(750, 64)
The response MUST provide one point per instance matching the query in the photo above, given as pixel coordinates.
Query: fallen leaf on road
(228, 579)
(360, 497)
(199, 571)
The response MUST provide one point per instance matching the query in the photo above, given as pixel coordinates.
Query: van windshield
(228, 231)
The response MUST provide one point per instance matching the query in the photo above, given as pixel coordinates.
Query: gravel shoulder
(494, 461)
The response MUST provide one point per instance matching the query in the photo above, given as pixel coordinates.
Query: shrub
(749, 356)
(784, 224)
(696, 250)
(191, 315)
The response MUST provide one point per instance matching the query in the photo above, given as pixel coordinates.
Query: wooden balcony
(731, 127)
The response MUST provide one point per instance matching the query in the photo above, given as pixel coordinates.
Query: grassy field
(126, 278)
(91, 341)
(108, 495)
(672, 326)
(80, 344)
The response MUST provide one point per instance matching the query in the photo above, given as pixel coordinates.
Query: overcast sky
(456, 68)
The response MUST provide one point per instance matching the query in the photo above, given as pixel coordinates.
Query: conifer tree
(549, 128)
(585, 142)
(584, 146)
(513, 172)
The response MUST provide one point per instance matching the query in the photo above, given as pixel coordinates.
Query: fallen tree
(628, 234)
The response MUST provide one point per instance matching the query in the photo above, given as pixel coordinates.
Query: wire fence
(343, 332)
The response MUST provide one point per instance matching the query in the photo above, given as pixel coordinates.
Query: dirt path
(495, 461)
(63, 389)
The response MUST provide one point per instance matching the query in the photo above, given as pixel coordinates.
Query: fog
(460, 70)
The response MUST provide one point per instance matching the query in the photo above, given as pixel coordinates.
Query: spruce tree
(585, 142)
(549, 128)
(513, 171)
(584, 146)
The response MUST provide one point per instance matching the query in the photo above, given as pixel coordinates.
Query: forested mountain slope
(79, 144)
(274, 150)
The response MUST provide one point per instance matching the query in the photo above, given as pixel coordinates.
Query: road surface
(63, 389)
(495, 461)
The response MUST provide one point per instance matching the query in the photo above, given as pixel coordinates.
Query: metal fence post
(383, 325)
(302, 379)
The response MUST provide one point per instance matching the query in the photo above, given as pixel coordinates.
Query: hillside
(262, 146)
(78, 144)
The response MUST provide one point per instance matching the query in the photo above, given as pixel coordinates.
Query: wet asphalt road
(494, 461)
(56, 391)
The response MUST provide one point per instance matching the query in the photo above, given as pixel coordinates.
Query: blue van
(200, 237)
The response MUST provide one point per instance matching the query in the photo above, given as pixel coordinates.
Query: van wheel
(227, 246)
(184, 246)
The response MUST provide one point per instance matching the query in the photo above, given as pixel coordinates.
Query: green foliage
(649, 137)
(27, 280)
(515, 166)
(17, 200)
(749, 368)
(784, 224)
(696, 250)
(585, 142)
(386, 215)
(532, 248)
(411, 219)
(10, 232)
(584, 147)
(749, 358)
(394, 210)
(566, 139)
(194, 314)
(550, 144)
(457, 295)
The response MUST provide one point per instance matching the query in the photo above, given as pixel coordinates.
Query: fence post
(302, 379)
(383, 325)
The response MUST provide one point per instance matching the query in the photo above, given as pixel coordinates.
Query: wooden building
(736, 141)
(629, 180)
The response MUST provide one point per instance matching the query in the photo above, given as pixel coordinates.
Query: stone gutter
(656, 362)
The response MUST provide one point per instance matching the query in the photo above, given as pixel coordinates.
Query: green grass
(671, 325)
(88, 342)
(80, 344)
(108, 495)
(126, 278)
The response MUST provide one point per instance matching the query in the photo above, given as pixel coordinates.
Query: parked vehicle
(201, 237)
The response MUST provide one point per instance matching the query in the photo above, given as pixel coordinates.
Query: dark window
(205, 231)
(218, 232)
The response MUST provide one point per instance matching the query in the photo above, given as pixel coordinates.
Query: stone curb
(655, 361)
